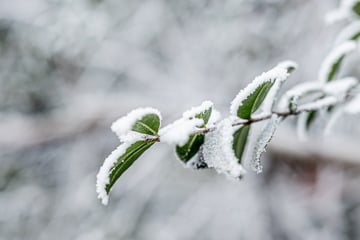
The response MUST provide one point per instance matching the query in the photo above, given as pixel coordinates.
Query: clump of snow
(103, 176)
(217, 151)
(318, 104)
(333, 57)
(341, 87)
(345, 11)
(214, 117)
(353, 107)
(124, 124)
(264, 138)
(348, 33)
(179, 131)
(277, 73)
(199, 109)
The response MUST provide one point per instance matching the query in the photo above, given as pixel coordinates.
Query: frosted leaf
(217, 150)
(277, 73)
(353, 107)
(197, 110)
(103, 176)
(340, 87)
(333, 119)
(263, 140)
(318, 104)
(301, 127)
(288, 65)
(345, 11)
(291, 97)
(124, 125)
(332, 62)
(179, 131)
(351, 32)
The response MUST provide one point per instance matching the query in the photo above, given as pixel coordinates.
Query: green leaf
(254, 100)
(195, 141)
(356, 8)
(189, 150)
(335, 69)
(131, 154)
(240, 140)
(311, 116)
(149, 124)
(205, 115)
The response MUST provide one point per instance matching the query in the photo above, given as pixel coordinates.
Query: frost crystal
(262, 142)
(199, 109)
(334, 57)
(179, 131)
(123, 125)
(103, 176)
(275, 74)
(353, 107)
(348, 33)
(217, 151)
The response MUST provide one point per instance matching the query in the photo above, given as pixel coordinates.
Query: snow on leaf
(142, 120)
(331, 65)
(290, 99)
(116, 164)
(348, 9)
(289, 65)
(253, 95)
(263, 140)
(341, 87)
(318, 104)
(217, 151)
(179, 131)
(351, 32)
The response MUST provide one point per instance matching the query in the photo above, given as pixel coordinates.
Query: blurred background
(68, 69)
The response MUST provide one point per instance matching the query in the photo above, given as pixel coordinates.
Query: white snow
(218, 153)
(348, 32)
(199, 109)
(103, 176)
(343, 12)
(179, 131)
(353, 107)
(333, 57)
(341, 87)
(124, 124)
(318, 104)
(275, 74)
(288, 64)
(263, 140)
(293, 95)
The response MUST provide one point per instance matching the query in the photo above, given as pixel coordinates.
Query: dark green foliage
(126, 160)
(240, 139)
(254, 100)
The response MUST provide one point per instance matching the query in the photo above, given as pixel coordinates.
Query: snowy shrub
(202, 140)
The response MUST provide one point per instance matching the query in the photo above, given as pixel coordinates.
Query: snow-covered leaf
(263, 140)
(240, 140)
(351, 32)
(116, 164)
(188, 150)
(217, 151)
(253, 95)
(142, 120)
(356, 8)
(331, 65)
